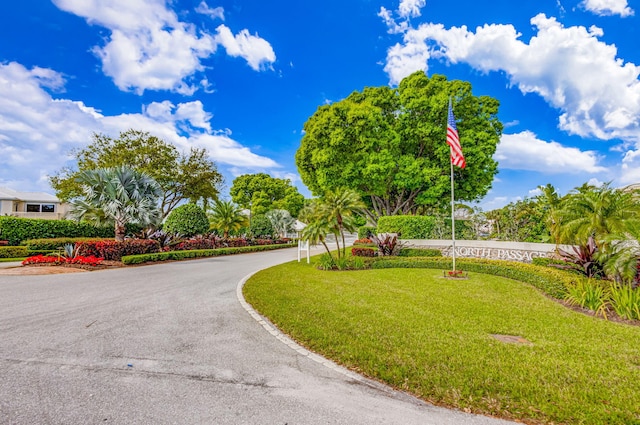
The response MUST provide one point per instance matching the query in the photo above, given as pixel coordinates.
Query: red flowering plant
(58, 260)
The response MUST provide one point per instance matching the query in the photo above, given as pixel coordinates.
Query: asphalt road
(171, 344)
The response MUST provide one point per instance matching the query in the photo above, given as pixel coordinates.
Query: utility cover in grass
(511, 339)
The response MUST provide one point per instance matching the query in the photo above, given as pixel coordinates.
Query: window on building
(48, 208)
(33, 207)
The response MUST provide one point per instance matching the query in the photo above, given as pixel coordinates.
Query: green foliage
(419, 252)
(407, 226)
(550, 281)
(199, 253)
(13, 251)
(226, 217)
(181, 176)
(187, 220)
(281, 221)
(625, 301)
(598, 212)
(334, 213)
(16, 230)
(261, 227)
(521, 221)
(261, 193)
(117, 196)
(366, 231)
(589, 294)
(387, 144)
(53, 243)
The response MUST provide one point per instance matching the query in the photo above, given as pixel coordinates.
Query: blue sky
(240, 78)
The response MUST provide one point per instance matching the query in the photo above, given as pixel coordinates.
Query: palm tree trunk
(120, 231)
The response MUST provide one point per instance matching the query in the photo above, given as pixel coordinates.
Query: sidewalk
(10, 264)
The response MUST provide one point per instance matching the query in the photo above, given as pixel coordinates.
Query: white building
(31, 204)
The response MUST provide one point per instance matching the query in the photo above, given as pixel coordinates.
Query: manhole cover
(511, 339)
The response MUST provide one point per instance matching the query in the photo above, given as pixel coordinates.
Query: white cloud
(524, 151)
(411, 8)
(608, 7)
(37, 132)
(534, 192)
(214, 13)
(150, 49)
(597, 93)
(255, 50)
(630, 170)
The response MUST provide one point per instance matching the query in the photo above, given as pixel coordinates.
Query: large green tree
(389, 144)
(117, 196)
(261, 193)
(181, 176)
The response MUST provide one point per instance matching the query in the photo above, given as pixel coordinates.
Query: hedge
(13, 252)
(407, 226)
(198, 253)
(17, 229)
(114, 250)
(55, 243)
(187, 220)
(551, 281)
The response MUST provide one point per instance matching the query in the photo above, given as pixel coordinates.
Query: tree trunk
(120, 232)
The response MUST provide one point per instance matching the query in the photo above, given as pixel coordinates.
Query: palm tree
(281, 221)
(622, 254)
(117, 196)
(549, 202)
(334, 213)
(227, 216)
(596, 211)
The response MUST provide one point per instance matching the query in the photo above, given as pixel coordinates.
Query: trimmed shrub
(261, 227)
(187, 220)
(53, 244)
(365, 232)
(17, 229)
(200, 253)
(359, 251)
(419, 252)
(13, 251)
(551, 281)
(196, 243)
(113, 250)
(407, 226)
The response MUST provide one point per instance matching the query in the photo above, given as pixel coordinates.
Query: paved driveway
(171, 344)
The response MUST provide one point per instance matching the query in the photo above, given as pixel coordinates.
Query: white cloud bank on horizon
(37, 131)
(597, 93)
(608, 7)
(150, 49)
(524, 151)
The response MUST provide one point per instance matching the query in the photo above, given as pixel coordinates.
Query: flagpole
(453, 223)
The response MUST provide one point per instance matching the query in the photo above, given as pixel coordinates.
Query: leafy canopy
(181, 177)
(187, 220)
(389, 145)
(261, 193)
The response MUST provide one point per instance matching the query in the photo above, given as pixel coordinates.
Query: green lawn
(432, 337)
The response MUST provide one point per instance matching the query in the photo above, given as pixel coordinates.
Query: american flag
(453, 140)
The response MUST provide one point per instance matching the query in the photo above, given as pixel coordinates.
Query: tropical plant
(226, 216)
(281, 221)
(625, 301)
(596, 211)
(387, 244)
(622, 256)
(582, 258)
(334, 213)
(589, 294)
(117, 196)
(187, 220)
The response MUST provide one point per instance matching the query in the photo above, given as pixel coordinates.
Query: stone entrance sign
(514, 251)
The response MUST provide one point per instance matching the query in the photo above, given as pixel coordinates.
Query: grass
(432, 337)
(11, 260)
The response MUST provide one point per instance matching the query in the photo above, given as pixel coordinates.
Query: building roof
(14, 195)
